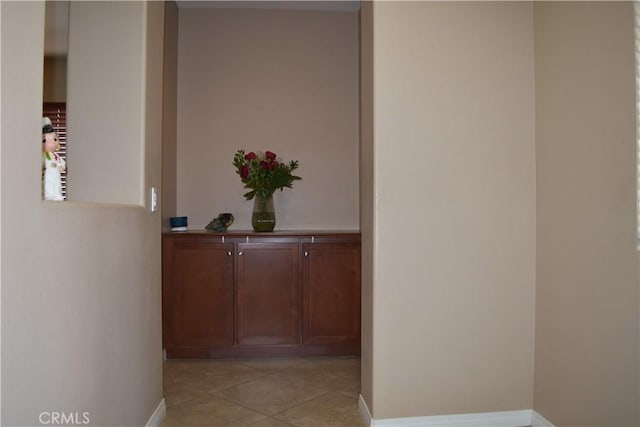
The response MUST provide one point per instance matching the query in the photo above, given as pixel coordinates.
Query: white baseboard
(364, 412)
(521, 418)
(485, 419)
(538, 420)
(158, 415)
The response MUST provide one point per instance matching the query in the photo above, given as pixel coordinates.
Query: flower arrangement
(264, 173)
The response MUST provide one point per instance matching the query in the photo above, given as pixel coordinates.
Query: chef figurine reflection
(52, 164)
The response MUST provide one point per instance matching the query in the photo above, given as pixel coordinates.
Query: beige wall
(56, 28)
(367, 191)
(279, 80)
(1, 222)
(85, 336)
(170, 115)
(587, 267)
(454, 200)
(105, 102)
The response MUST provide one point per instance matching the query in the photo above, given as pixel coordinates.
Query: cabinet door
(268, 285)
(331, 293)
(197, 293)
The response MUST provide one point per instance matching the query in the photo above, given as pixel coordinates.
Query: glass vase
(264, 215)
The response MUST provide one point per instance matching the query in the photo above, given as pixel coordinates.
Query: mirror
(54, 97)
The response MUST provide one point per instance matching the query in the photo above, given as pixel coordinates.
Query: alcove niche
(105, 99)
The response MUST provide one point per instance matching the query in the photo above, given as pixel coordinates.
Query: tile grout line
(283, 410)
(304, 402)
(209, 394)
(301, 373)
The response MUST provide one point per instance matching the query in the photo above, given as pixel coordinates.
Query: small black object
(221, 223)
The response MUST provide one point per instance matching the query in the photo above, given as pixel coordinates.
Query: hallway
(301, 392)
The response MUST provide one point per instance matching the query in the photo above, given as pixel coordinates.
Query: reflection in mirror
(54, 107)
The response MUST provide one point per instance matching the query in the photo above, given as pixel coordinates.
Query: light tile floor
(303, 392)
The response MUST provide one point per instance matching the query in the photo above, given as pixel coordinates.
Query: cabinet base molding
(485, 419)
(258, 351)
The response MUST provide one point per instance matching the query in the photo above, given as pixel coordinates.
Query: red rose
(250, 156)
(264, 165)
(244, 172)
(270, 156)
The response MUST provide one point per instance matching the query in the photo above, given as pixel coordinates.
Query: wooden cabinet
(198, 305)
(268, 293)
(331, 289)
(254, 294)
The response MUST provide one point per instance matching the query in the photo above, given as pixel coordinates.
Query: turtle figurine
(221, 223)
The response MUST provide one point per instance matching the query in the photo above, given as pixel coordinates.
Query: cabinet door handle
(240, 253)
(306, 253)
(229, 253)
